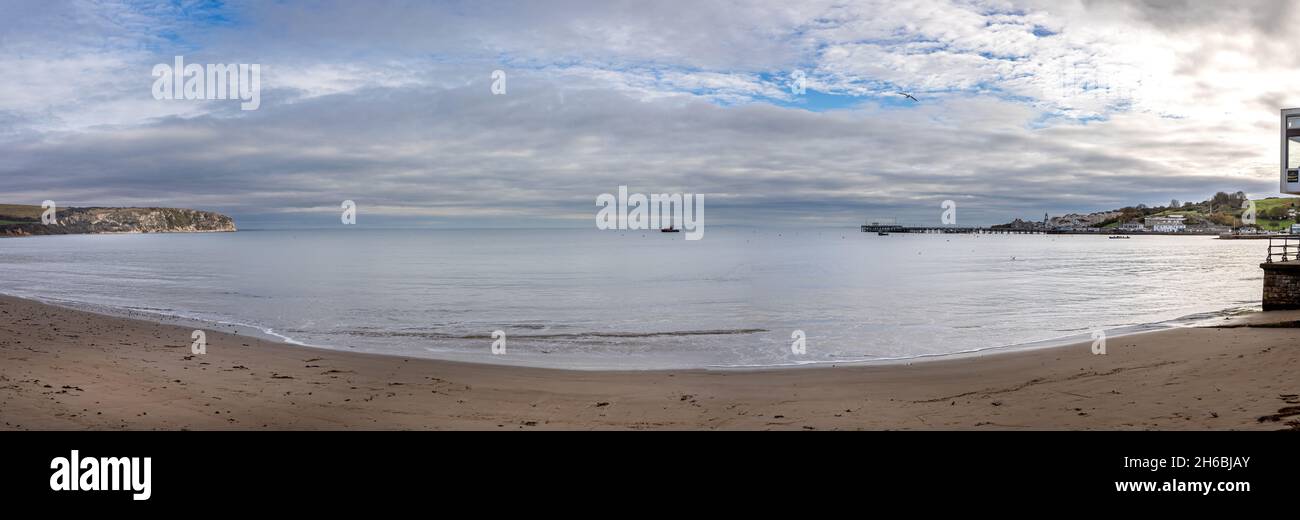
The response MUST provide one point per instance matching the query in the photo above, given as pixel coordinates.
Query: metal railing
(1283, 248)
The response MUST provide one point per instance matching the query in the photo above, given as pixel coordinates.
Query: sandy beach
(73, 370)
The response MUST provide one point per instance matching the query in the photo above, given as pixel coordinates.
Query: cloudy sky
(1024, 107)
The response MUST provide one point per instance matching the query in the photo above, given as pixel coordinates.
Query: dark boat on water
(670, 229)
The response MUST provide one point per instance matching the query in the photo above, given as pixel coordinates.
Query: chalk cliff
(25, 220)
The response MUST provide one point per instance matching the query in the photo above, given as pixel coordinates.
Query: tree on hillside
(1276, 213)
(1173, 204)
(1219, 201)
(1129, 213)
(1224, 219)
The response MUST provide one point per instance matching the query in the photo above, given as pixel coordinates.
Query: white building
(1169, 224)
(1132, 225)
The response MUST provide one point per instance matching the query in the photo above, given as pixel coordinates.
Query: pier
(894, 228)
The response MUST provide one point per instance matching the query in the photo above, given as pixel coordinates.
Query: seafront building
(1168, 224)
(1132, 226)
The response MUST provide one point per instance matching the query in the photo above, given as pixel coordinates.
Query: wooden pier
(892, 228)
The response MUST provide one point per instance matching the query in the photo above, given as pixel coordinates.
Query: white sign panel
(1291, 151)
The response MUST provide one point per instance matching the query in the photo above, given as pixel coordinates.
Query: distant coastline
(1223, 213)
(26, 220)
(876, 227)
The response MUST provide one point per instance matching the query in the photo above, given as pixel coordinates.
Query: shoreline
(70, 369)
(268, 334)
(1232, 314)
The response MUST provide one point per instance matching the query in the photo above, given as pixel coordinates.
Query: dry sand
(68, 369)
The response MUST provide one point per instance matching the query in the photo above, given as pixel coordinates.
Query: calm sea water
(608, 299)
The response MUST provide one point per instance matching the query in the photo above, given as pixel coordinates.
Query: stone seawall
(1281, 285)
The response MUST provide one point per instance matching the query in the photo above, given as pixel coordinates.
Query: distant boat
(670, 229)
(882, 233)
(1119, 236)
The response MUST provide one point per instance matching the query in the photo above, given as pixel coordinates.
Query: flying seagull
(909, 96)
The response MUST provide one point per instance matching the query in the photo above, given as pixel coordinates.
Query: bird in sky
(909, 96)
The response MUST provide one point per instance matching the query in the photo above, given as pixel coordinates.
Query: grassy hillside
(13, 213)
(1269, 212)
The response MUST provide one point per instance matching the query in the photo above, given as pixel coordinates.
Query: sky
(1022, 107)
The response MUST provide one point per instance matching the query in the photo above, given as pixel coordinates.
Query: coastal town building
(1076, 221)
(1132, 226)
(1209, 229)
(1167, 224)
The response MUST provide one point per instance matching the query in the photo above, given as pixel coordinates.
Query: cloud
(1027, 107)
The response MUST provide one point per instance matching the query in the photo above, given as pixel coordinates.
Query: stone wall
(1281, 285)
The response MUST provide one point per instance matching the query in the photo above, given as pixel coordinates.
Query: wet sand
(73, 370)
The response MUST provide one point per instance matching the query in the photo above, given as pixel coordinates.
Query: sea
(589, 299)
